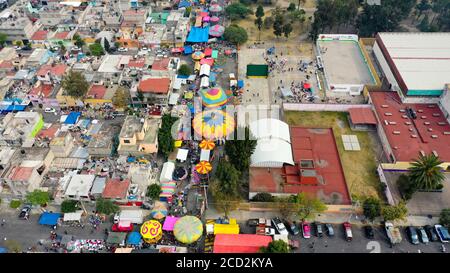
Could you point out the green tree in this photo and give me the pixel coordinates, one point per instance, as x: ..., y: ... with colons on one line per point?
x: 165, y: 139
x: 240, y: 149
x: 106, y: 206
x: 424, y: 25
x: 75, y: 84
x: 38, y: 197
x: 291, y: 7
x: 277, y: 246
x: 185, y: 70
x: 372, y: 208
x: 79, y: 42
x: 278, y: 25
x: 225, y: 203
x: 3, y: 39
x: 287, y: 29
x: 398, y: 212
x: 259, y: 11
x: 121, y: 98
x: 69, y: 206
x: 187, y: 11
x: 140, y: 95
x: 426, y: 173
x: 263, y: 197
x: 268, y: 22
x: 237, y: 11
x: 19, y: 43
x: 406, y: 187
x: 15, y: 204
x: 153, y: 191
x: 96, y: 49
x: 444, y: 218
x: 285, y: 207
x: 300, y: 2
x: 227, y: 178
x: 259, y: 21
x: 235, y: 34
x: 422, y: 6
x: 307, y: 206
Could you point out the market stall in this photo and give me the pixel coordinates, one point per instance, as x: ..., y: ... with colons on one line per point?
x: 188, y: 229
x: 167, y: 189
x: 49, y: 218
x: 203, y: 167
x: 159, y: 210
x: 134, y: 238
x: 169, y: 223
x: 116, y: 238
x: 151, y: 231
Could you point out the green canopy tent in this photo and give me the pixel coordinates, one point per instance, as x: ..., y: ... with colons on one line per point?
x: 257, y: 70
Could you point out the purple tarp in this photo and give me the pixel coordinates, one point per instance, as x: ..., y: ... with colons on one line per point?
x: 170, y: 222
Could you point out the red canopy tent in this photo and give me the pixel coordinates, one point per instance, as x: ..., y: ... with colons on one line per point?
x: 209, y: 61
x: 177, y: 50
x: 203, y: 14
x: 208, y: 51
x: 240, y: 243
x: 306, y: 85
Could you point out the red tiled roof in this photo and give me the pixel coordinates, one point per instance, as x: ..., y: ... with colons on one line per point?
x: 362, y: 116
x: 155, y: 85
x: 139, y: 63
x: 114, y: 188
x: 97, y: 91
x: 21, y: 173
x: 61, y: 35
x: 240, y: 243
x: 49, y: 132
x: 57, y: 70
x: 429, y: 132
x: 40, y: 35
x: 324, y: 180
x: 6, y: 65
x: 43, y: 89
x: 162, y: 64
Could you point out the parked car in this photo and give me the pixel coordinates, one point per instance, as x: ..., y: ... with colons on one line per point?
x: 49, y: 110
x: 330, y: 229
x: 75, y: 48
x: 269, y: 231
x: 292, y: 227
x: 319, y: 229
x: 252, y: 222
x: 423, y: 235
x: 348, y: 231
x: 412, y: 234
x: 431, y: 233
x: 306, y: 230
x: 279, y: 226
x: 368, y: 230
x: 442, y: 233
x: 25, y: 212
x: 122, y: 49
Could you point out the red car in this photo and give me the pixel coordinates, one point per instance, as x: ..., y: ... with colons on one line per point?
x: 123, y: 226
x: 306, y: 229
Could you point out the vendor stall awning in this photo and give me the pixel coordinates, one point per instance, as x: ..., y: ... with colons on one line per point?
x: 204, y: 155
x: 169, y: 223
x: 188, y: 50
x: 208, y: 51
x: 240, y: 243
x: 73, y: 216
x: 72, y: 118
x: 198, y: 35
x: 49, y: 219
x: 215, y: 54
x: 173, y: 99
x: 134, y: 238
x: 182, y: 154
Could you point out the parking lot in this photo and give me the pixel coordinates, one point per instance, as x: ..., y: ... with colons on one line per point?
x: 359, y: 243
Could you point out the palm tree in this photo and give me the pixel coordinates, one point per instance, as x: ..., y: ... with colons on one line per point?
x: 425, y: 172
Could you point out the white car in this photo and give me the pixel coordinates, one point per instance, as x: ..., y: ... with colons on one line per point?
x: 49, y: 110
x: 270, y: 231
x: 144, y: 49
x: 122, y: 49
x: 75, y: 48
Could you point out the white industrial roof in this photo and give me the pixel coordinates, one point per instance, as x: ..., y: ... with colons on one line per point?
x: 423, y: 59
x: 272, y: 153
x: 80, y: 185
x: 270, y: 128
x: 273, y: 148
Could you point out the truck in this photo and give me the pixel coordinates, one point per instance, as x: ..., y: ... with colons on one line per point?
x: 135, y: 216
x: 393, y: 233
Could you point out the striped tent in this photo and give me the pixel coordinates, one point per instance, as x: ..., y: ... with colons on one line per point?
x: 168, y: 189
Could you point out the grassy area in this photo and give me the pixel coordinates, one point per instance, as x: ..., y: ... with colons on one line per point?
x: 359, y: 166
x: 15, y: 204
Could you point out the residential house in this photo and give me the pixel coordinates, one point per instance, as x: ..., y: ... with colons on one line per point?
x: 79, y: 186
x: 155, y: 90
x: 39, y: 57
x: 40, y: 39
x: 139, y: 136
x: 51, y: 73
x: 116, y: 189
x: 62, y: 145
x: 101, y: 143
x: 18, y: 27
x: 20, y: 129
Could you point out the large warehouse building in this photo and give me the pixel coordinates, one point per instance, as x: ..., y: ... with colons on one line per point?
x: 416, y: 65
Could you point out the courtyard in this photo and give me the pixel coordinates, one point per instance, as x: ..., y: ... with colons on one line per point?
x: 359, y: 166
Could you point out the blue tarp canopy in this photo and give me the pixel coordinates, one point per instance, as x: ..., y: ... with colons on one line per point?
x: 49, y: 219
x: 184, y: 4
x: 72, y: 118
x: 198, y: 35
x: 182, y: 76
x: 240, y: 83
x: 134, y: 238
x: 187, y: 50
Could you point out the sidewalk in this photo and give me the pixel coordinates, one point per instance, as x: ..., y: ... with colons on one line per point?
x: 333, y: 218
